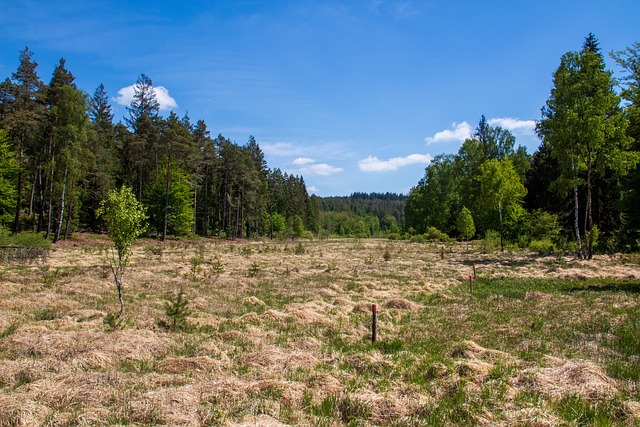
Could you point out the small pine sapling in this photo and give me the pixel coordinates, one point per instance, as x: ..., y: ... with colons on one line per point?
x: 177, y: 310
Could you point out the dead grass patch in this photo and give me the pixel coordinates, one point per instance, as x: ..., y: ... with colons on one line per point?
x: 569, y: 378
x: 291, y: 346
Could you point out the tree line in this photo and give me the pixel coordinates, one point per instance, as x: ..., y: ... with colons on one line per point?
x: 61, y: 153
x: 362, y: 214
x: 580, y: 189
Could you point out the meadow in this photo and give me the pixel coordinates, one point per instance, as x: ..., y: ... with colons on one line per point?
x: 277, y: 333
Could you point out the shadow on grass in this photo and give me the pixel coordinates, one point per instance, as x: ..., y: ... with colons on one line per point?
x: 632, y: 287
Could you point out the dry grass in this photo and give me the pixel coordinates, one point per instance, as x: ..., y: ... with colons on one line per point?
x: 282, y: 338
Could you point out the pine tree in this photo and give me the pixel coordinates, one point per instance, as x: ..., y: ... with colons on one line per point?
x: 141, y: 152
x: 23, y: 117
x: 101, y: 160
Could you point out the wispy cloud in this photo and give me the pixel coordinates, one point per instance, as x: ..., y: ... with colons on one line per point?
x: 523, y: 127
x: 374, y: 164
x: 302, y: 161
x: 459, y: 133
x: 320, y: 169
x: 125, y: 96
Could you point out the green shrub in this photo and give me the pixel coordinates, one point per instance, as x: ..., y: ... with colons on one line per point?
x: 434, y: 234
x: 544, y: 226
x: 418, y: 238
x: 542, y: 246
x: 491, y: 241
x: 299, y: 249
x: 27, y: 239
x: 175, y: 307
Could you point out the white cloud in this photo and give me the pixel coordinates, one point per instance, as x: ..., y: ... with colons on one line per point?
x: 303, y: 161
x: 125, y: 96
x: 164, y: 99
x: 374, y: 164
x: 320, y: 169
x: 313, y: 189
x: 460, y: 132
x: 285, y: 149
x: 523, y: 127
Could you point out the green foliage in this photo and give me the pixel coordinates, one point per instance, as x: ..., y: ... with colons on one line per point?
x: 180, y: 213
x: 435, y: 235
x: 585, y: 130
x: 216, y: 267
x: 491, y: 241
x: 196, y: 262
x: 544, y: 226
x: 124, y: 217
x: 279, y: 222
x: 542, y: 246
x: 464, y: 224
x: 299, y: 249
x: 418, y: 238
x: 176, y: 309
x: 254, y: 270
x: 8, y: 174
x: 295, y: 227
x: 27, y: 239
x: 516, y: 224
x: 500, y: 187
x: 432, y: 202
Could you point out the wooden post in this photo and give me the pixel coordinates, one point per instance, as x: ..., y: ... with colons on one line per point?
x: 474, y: 271
x: 471, y: 285
x: 374, y: 322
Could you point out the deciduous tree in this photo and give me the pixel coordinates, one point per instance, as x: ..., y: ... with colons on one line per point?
x: 585, y: 129
x: 124, y: 217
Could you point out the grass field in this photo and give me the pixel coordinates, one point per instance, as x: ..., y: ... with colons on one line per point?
x: 279, y: 334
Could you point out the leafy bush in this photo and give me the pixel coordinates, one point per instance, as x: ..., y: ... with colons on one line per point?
x: 434, y: 234
x: 516, y: 224
x: 544, y: 226
x: 542, y: 246
x: 27, y: 239
x: 491, y: 241
x: 418, y: 238
x: 299, y: 249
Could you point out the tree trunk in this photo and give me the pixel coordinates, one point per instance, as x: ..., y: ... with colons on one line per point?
x: 166, y: 200
x: 118, y: 275
x: 69, y: 211
x: 205, y: 212
x: 589, y: 219
x: 576, y: 212
x: 32, y: 196
x: 16, y: 221
x: 41, y: 187
x: 62, y: 201
x: 501, y: 226
x: 195, y: 208
x: 50, y: 207
x: 576, y: 222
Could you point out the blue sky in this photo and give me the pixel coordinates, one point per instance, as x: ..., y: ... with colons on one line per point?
x: 354, y: 96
